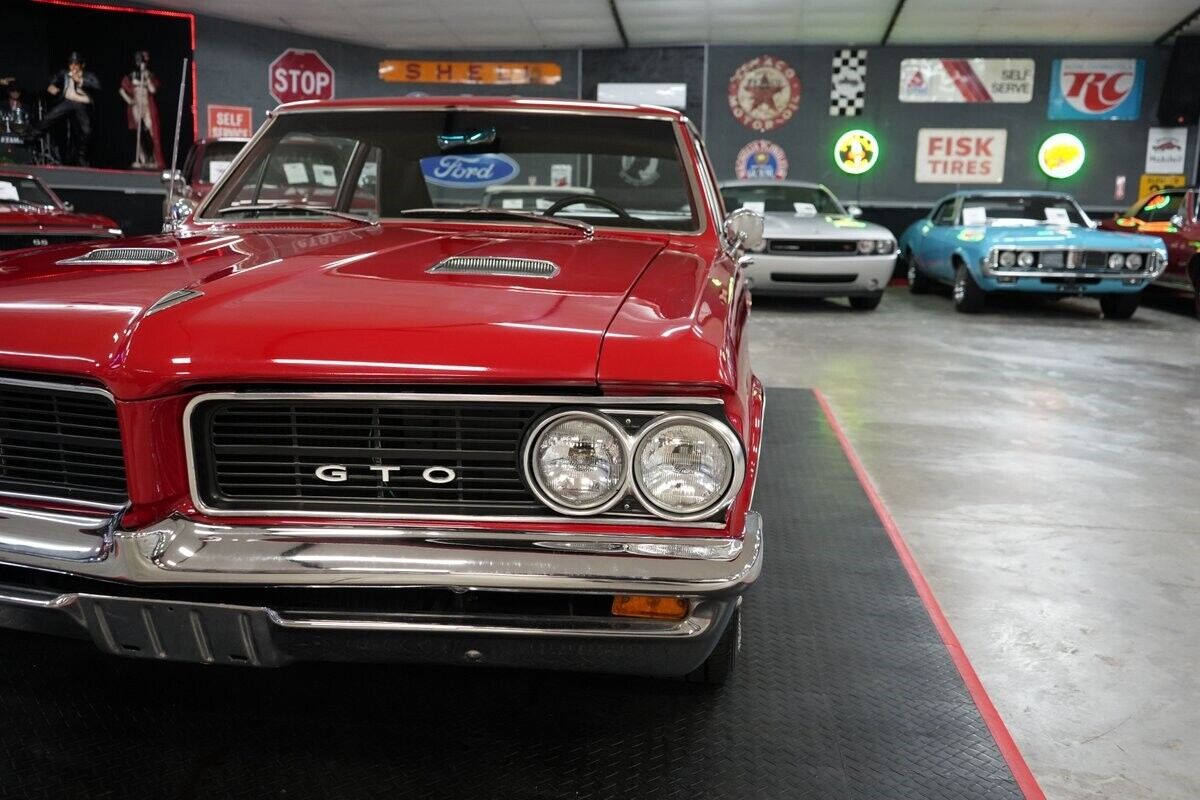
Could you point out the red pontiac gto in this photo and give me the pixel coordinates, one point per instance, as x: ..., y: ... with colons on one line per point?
x: 31, y: 215
x: 346, y: 411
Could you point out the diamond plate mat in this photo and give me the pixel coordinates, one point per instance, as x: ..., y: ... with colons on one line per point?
x: 844, y: 690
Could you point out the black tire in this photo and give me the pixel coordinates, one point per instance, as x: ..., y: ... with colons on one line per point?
x: 1119, y: 306
x: 918, y: 282
x: 717, y: 668
x: 868, y: 302
x: 968, y: 297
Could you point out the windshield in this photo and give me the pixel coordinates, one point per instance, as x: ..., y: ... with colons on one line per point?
x: 1021, y: 211
x: 781, y: 197
x: 24, y: 191
x: 216, y: 159
x: 625, y: 172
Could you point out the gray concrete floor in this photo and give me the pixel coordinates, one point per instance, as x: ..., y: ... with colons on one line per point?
x: 1044, y: 466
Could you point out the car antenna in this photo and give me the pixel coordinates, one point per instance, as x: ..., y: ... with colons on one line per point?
x: 171, y: 225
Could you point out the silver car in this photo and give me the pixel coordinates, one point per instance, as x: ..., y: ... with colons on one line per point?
x: 813, y: 246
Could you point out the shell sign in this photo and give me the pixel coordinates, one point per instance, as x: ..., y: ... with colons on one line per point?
x: 1061, y: 155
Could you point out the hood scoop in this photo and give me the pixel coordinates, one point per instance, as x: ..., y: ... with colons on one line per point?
x: 124, y: 257
x: 496, y: 265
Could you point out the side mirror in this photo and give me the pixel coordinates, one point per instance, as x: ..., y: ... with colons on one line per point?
x: 68, y: 205
x: 1177, y: 220
x: 854, y: 211
x: 744, y: 230
x: 172, y: 177
x: 177, y: 214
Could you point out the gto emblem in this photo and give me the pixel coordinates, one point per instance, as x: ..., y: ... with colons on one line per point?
x: 338, y: 473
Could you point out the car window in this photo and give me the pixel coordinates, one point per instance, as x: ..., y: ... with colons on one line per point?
x: 216, y: 159
x: 432, y: 161
x: 944, y: 215
x: 1025, y: 210
x: 781, y: 198
x: 24, y: 190
x: 1160, y: 207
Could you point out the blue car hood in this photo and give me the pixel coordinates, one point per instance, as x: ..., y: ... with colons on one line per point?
x: 1034, y: 237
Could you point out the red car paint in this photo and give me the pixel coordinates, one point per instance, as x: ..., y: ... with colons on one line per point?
x: 1174, y: 216
x: 48, y: 224
x: 325, y: 301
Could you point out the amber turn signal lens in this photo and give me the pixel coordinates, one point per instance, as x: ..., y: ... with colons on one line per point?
x: 651, y: 607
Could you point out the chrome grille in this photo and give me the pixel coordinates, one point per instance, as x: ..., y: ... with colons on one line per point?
x: 258, y: 454
x: 814, y: 247
x: 60, y: 443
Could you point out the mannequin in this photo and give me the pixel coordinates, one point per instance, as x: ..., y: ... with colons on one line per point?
x: 139, y: 89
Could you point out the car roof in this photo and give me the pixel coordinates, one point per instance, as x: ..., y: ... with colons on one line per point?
x: 478, y: 102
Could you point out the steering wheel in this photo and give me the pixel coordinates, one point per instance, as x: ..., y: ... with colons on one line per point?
x: 595, y: 199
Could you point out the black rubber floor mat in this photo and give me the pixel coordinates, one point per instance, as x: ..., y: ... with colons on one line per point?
x: 844, y: 691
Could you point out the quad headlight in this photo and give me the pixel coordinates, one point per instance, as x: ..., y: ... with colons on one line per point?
x: 578, y: 463
x: 1116, y: 260
x: 1133, y: 261
x: 1026, y: 259
x: 1007, y: 258
x: 866, y: 246
x: 885, y: 246
x: 681, y: 466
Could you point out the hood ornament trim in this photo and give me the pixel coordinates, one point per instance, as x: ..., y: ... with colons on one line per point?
x: 173, y: 298
x: 496, y: 265
x: 124, y: 256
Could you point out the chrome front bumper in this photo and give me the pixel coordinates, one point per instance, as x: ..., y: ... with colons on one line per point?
x: 122, y: 576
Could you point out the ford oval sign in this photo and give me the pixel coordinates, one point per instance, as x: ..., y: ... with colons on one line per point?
x: 459, y: 172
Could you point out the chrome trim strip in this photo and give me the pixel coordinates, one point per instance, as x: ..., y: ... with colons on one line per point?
x: 172, y: 299
x: 585, y: 400
x: 696, y: 623
x: 181, y: 551
x: 66, y: 387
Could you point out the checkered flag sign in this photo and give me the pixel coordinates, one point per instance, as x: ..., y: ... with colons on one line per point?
x: 848, y: 93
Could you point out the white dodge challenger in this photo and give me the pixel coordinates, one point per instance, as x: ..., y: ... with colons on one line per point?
x: 813, y: 246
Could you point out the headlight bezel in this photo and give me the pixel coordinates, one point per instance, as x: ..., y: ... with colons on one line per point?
x: 533, y: 476
x: 721, y: 432
x: 1130, y: 261
x: 631, y: 443
x: 1115, y: 261
x: 1009, y: 256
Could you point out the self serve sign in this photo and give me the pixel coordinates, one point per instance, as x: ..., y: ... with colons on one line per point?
x: 961, y: 155
x: 300, y: 75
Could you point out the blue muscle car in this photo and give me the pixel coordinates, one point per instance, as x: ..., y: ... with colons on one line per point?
x: 1001, y: 241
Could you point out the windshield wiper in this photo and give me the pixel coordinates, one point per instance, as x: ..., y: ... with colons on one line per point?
x: 329, y: 212
x: 528, y: 216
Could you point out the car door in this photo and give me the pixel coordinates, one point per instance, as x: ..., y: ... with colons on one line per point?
x: 941, y: 240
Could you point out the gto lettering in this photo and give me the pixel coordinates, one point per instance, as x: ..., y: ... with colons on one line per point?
x: 385, y: 473
x: 339, y: 473
x: 331, y: 473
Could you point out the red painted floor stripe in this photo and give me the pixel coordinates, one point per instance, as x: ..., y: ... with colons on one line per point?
x: 1008, y: 748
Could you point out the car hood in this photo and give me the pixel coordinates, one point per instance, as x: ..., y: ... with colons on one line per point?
x: 343, y: 304
x: 1033, y: 237
x: 50, y: 219
x: 787, y: 225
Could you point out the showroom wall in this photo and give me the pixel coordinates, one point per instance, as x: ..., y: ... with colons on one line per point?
x: 1114, y: 148
x: 234, y: 57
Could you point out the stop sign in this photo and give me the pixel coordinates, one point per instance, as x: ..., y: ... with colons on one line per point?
x: 300, y: 75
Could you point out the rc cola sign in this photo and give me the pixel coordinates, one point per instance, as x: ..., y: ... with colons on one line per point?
x: 465, y: 171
